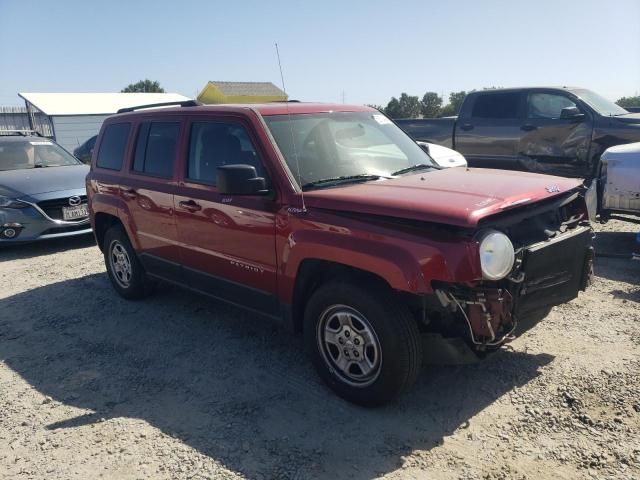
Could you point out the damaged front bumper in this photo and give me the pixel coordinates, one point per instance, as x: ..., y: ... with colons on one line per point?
x: 548, y: 273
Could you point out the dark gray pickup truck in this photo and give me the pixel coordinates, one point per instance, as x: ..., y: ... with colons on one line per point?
x: 559, y: 131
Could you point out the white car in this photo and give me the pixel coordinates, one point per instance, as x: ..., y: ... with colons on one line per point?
x: 445, y: 157
x: 621, y: 180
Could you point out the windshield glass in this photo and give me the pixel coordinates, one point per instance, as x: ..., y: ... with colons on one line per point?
x: 33, y: 153
x: 343, y: 144
x: 600, y: 104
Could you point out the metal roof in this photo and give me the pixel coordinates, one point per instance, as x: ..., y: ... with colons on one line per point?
x: 94, y: 103
x: 258, y: 89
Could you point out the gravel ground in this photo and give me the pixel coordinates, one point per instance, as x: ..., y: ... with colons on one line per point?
x: 180, y: 386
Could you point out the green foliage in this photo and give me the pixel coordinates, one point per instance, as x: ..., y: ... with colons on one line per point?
x: 625, y: 102
x: 406, y: 107
x: 455, y: 102
x: 143, y: 86
x: 430, y: 105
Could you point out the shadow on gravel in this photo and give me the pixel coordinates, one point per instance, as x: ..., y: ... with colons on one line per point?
x: 613, y: 257
x: 37, y: 249
x: 229, y: 384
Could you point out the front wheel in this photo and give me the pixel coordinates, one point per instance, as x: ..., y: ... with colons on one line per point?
x: 365, y: 345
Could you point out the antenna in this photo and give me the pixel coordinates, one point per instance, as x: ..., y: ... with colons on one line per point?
x: 293, y: 138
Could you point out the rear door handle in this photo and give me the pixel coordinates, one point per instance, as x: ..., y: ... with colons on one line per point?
x: 129, y: 193
x: 466, y: 126
x: 189, y: 205
x: 528, y: 127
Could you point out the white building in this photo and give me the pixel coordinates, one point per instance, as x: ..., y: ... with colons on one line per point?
x: 76, y: 117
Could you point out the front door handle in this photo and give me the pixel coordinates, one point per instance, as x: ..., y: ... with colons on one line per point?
x: 466, y: 126
x: 528, y: 127
x: 129, y: 193
x: 189, y: 205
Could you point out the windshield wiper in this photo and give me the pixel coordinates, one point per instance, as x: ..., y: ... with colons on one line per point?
x: 363, y: 177
x: 413, y: 168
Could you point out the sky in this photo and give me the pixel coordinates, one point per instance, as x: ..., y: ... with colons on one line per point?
x: 356, y: 51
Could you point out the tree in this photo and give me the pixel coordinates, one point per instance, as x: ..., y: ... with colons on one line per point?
x: 625, y: 102
x: 407, y: 107
x: 455, y: 102
x: 430, y: 105
x: 143, y: 86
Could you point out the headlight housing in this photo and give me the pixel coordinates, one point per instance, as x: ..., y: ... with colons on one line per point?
x: 496, y: 254
x: 7, y: 202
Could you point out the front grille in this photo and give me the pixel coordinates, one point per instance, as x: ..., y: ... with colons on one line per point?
x: 554, y: 270
x: 53, y: 208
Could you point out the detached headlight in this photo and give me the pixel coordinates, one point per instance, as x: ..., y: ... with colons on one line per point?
x: 6, y: 202
x: 496, y: 254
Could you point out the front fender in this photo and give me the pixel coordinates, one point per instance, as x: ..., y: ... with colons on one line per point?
x: 405, y: 266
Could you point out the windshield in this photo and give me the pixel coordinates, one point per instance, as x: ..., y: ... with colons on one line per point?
x: 600, y: 104
x: 33, y: 153
x: 344, y: 145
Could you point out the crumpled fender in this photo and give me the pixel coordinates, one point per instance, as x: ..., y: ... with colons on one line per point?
x: 408, y: 268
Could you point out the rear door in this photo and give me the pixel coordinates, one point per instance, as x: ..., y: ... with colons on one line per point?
x: 228, y: 242
x: 148, y: 190
x: 551, y: 144
x: 487, y: 133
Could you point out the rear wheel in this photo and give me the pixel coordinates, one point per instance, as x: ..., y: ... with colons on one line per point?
x: 123, y: 267
x: 364, y: 344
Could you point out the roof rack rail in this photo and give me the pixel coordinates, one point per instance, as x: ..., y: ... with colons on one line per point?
x: 185, y: 103
x: 24, y: 133
x: 284, y: 101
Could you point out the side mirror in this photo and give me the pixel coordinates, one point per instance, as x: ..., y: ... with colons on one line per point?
x: 571, y: 113
x: 424, y: 146
x: 240, y: 180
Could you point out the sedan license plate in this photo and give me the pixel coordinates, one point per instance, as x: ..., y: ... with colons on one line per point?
x: 75, y: 213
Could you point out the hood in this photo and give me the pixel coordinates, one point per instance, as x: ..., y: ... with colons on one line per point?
x: 629, y: 118
x: 34, y: 181
x: 456, y: 196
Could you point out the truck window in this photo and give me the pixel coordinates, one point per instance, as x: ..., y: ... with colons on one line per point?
x: 213, y: 144
x: 112, y: 146
x: 156, y: 148
x: 496, y: 105
x: 547, y: 105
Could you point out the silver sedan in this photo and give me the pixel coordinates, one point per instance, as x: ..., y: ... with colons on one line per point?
x: 42, y: 190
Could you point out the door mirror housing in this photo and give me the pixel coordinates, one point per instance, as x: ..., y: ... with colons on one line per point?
x: 424, y: 146
x: 240, y: 180
x: 571, y: 113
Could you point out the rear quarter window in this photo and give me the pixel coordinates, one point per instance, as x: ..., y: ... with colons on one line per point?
x: 113, y: 146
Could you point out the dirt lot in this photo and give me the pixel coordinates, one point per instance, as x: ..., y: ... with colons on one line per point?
x: 180, y: 386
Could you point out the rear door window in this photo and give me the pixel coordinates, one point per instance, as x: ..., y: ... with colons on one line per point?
x: 113, y: 146
x: 496, y: 106
x: 156, y: 148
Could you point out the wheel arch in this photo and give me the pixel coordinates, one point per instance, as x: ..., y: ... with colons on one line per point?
x: 314, y: 272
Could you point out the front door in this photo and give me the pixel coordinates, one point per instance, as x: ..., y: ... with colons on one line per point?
x: 551, y: 144
x: 228, y: 242
x: 487, y: 134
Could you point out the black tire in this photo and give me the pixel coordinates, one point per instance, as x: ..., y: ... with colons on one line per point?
x: 393, y: 327
x: 116, y: 243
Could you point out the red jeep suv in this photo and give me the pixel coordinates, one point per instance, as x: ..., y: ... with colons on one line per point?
x: 331, y: 220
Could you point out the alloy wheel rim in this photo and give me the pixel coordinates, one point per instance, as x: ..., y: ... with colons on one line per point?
x: 349, y: 345
x: 120, y: 264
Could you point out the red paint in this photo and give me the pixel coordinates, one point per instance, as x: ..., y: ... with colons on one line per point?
x: 259, y: 242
